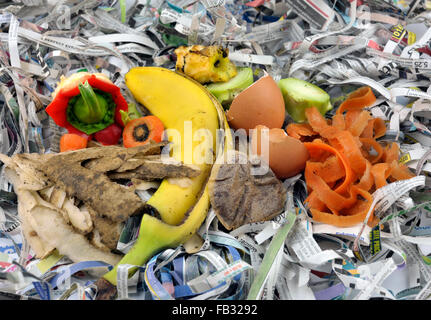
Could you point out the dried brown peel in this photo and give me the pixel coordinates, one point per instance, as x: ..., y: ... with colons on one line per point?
x: 26, y: 202
x: 238, y: 197
x: 79, y: 218
x: 52, y: 228
x: 45, y: 228
x: 134, y: 163
x: 29, y: 177
x: 138, y: 184
x: 108, y: 230
x: 105, y: 164
x: 28, y: 169
x: 46, y: 193
x: 96, y: 241
x: 94, y: 188
x: 88, y: 154
x: 57, y: 197
x: 130, y: 164
x: 119, y: 156
x: 54, y: 218
x: 68, y: 202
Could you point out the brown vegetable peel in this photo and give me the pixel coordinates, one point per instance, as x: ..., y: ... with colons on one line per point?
x: 239, y: 198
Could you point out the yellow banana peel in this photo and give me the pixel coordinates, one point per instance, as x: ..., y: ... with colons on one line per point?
x: 184, y: 108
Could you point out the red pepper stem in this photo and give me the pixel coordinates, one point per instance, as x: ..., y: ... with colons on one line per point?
x: 89, y: 97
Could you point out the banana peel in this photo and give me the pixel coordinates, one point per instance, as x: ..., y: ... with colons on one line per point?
x: 184, y: 107
x: 174, y: 98
x: 205, y: 64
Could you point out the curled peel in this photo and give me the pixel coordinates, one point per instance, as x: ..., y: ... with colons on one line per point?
x: 347, y: 164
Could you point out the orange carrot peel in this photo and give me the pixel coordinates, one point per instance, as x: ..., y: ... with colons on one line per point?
x: 347, y: 164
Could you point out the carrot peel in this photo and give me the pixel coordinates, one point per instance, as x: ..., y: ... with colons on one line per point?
x: 347, y: 164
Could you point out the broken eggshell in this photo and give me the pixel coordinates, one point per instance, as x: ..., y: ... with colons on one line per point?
x: 286, y: 156
x: 260, y: 104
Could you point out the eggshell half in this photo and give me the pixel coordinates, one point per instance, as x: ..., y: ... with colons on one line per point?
x: 286, y: 155
x: 260, y: 104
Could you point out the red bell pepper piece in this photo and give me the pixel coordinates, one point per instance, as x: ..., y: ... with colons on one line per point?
x: 68, y: 88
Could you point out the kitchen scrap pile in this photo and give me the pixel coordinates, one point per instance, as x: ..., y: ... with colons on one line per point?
x: 215, y: 149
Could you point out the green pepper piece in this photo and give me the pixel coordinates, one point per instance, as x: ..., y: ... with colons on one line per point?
x: 131, y: 113
x: 90, y: 128
x: 90, y: 107
x: 225, y: 92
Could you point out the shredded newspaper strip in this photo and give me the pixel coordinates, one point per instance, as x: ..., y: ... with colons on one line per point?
x: 339, y: 45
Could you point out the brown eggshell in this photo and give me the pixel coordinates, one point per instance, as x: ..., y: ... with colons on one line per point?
x: 287, y: 155
x: 260, y: 104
